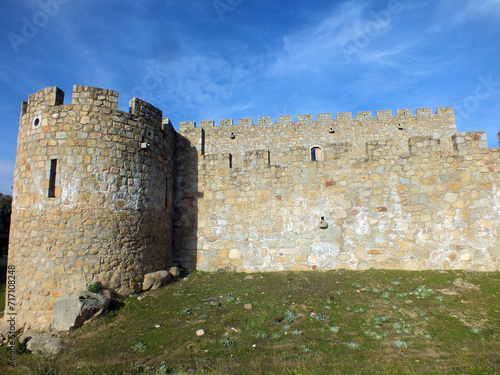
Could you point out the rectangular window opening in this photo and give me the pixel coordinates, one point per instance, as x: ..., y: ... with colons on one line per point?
x: 166, y: 193
x: 52, y: 178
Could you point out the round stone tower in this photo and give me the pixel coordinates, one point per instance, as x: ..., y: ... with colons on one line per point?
x: 91, y: 200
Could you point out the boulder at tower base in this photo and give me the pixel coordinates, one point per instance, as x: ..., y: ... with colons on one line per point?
x: 155, y: 280
x: 73, y: 309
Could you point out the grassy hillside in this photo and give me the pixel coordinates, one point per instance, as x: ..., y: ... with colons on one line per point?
x: 338, y: 322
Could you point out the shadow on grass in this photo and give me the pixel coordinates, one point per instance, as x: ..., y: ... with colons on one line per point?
x: 115, y: 305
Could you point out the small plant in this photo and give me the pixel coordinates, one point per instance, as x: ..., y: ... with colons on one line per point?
x: 140, y: 347
x: 221, y: 271
x: 369, y: 333
x: 423, y: 315
x: 357, y: 285
x: 385, y: 295
x: 400, y: 344
x: 330, y: 300
x: 296, y: 332
x: 422, y: 291
x: 95, y: 287
x: 141, y: 367
x: 339, y: 292
x: 318, y: 317
x: 334, y: 329
x: 186, y: 311
x: 475, y: 330
x: 395, y: 283
x: 305, y: 349
x: 204, y: 316
x: 20, y: 346
x: 226, y: 342
x: 378, y: 320
x: 397, y: 326
x: 353, y: 345
x: 163, y: 369
x: 215, y: 305
x: 262, y: 335
x: 291, y: 316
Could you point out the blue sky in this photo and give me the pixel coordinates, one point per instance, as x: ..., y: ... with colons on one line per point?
x: 210, y: 60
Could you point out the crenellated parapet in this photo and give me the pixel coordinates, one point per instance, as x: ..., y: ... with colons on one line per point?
x: 88, y: 106
x: 446, y: 113
x: 244, y: 134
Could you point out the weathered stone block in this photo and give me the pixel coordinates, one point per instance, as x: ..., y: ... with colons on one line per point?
x: 155, y: 280
x: 74, y: 309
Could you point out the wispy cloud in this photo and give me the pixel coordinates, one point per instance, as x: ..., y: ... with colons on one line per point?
x: 352, y: 32
x: 195, y: 84
x: 451, y: 13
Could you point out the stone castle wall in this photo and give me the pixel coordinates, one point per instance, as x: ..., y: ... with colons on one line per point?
x: 419, y: 202
x: 89, y: 204
x: 108, y: 196
x: 278, y: 137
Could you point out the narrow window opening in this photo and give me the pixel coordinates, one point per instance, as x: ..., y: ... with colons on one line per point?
x: 52, y: 178
x: 230, y: 161
x: 166, y: 193
x: 316, y: 154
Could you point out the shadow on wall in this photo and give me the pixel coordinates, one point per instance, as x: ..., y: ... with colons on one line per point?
x: 185, y: 232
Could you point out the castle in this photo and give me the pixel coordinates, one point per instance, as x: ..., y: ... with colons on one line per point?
x: 104, y: 195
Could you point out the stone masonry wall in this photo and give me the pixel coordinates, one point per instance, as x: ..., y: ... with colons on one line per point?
x: 106, y: 216
x: 423, y: 202
x: 104, y: 195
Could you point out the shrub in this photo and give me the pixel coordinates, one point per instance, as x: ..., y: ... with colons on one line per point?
x: 95, y: 287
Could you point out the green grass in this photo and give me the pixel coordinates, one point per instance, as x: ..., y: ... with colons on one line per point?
x: 3, y: 277
x: 338, y: 322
